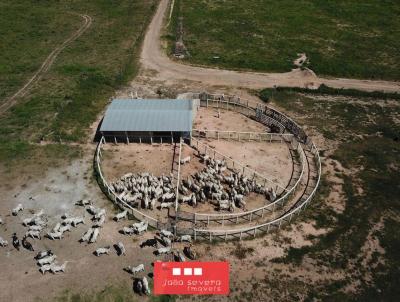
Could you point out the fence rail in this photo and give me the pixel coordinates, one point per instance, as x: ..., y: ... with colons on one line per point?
x: 269, y: 117
x: 242, y: 136
x: 109, y: 191
x: 265, y: 227
x: 259, y: 212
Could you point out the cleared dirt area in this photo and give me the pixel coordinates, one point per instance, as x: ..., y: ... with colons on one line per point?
x: 137, y: 158
x: 269, y: 159
x: 272, y: 160
x: 55, y: 190
x: 207, y: 119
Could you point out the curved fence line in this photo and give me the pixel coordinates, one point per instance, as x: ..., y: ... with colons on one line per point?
x: 195, y: 143
x: 272, y: 115
x: 198, y: 217
x: 242, y: 136
x: 110, y: 193
x: 252, y: 231
x: 269, y: 117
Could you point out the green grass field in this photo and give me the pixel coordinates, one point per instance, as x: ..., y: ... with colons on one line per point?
x: 67, y: 100
x: 368, y: 134
x: 345, y: 38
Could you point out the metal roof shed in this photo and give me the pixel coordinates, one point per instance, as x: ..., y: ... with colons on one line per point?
x: 148, y: 115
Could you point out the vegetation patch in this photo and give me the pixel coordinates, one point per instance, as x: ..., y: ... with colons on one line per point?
x: 63, y: 105
x: 355, y: 39
x: 368, y: 134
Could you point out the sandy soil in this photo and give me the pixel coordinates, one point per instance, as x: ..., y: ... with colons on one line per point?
x: 269, y: 159
x: 137, y: 158
x: 56, y: 190
x: 207, y: 119
x: 154, y: 58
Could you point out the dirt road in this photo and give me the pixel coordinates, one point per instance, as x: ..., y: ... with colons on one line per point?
x: 154, y: 58
x: 46, y: 64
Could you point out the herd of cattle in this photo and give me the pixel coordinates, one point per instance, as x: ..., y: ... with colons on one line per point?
x: 224, y: 188
x: 37, y: 227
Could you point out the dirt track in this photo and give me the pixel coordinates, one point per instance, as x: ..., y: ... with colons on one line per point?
x: 153, y: 58
x: 46, y: 64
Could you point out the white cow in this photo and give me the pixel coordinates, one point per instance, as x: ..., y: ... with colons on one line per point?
x: 92, y: 210
x: 3, y: 243
x: 185, y: 238
x: 153, y: 203
x: 142, y: 227
x: 87, y: 235
x: 36, y: 228
x: 54, y: 268
x: 17, y: 209
x: 65, y: 228
x: 43, y: 254
x: 101, y: 212
x: 45, y: 268
x: 54, y: 235
x: 146, y: 288
x: 166, y: 205
x: 33, y: 234
x: 56, y: 227
x: 47, y: 260
x: 33, y: 221
x: 167, y: 196
x: 77, y: 220
x: 166, y: 233
x: 135, y: 269
x: 102, y: 251
x: 128, y: 230
x: 94, y: 236
x: 166, y: 241
x: 185, y: 160
x: 100, y: 222
x: 121, y: 215
x: 163, y: 250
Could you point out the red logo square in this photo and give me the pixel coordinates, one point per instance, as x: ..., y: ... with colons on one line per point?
x: 191, y: 278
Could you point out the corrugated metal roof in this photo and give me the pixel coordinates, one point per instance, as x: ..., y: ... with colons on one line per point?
x: 148, y: 115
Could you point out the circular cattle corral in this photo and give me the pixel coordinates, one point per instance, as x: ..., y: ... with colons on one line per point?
x: 261, y: 178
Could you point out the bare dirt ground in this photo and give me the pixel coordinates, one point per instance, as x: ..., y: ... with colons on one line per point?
x: 137, y: 158
x: 207, y: 119
x: 154, y: 58
x: 269, y: 159
x: 55, y: 190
